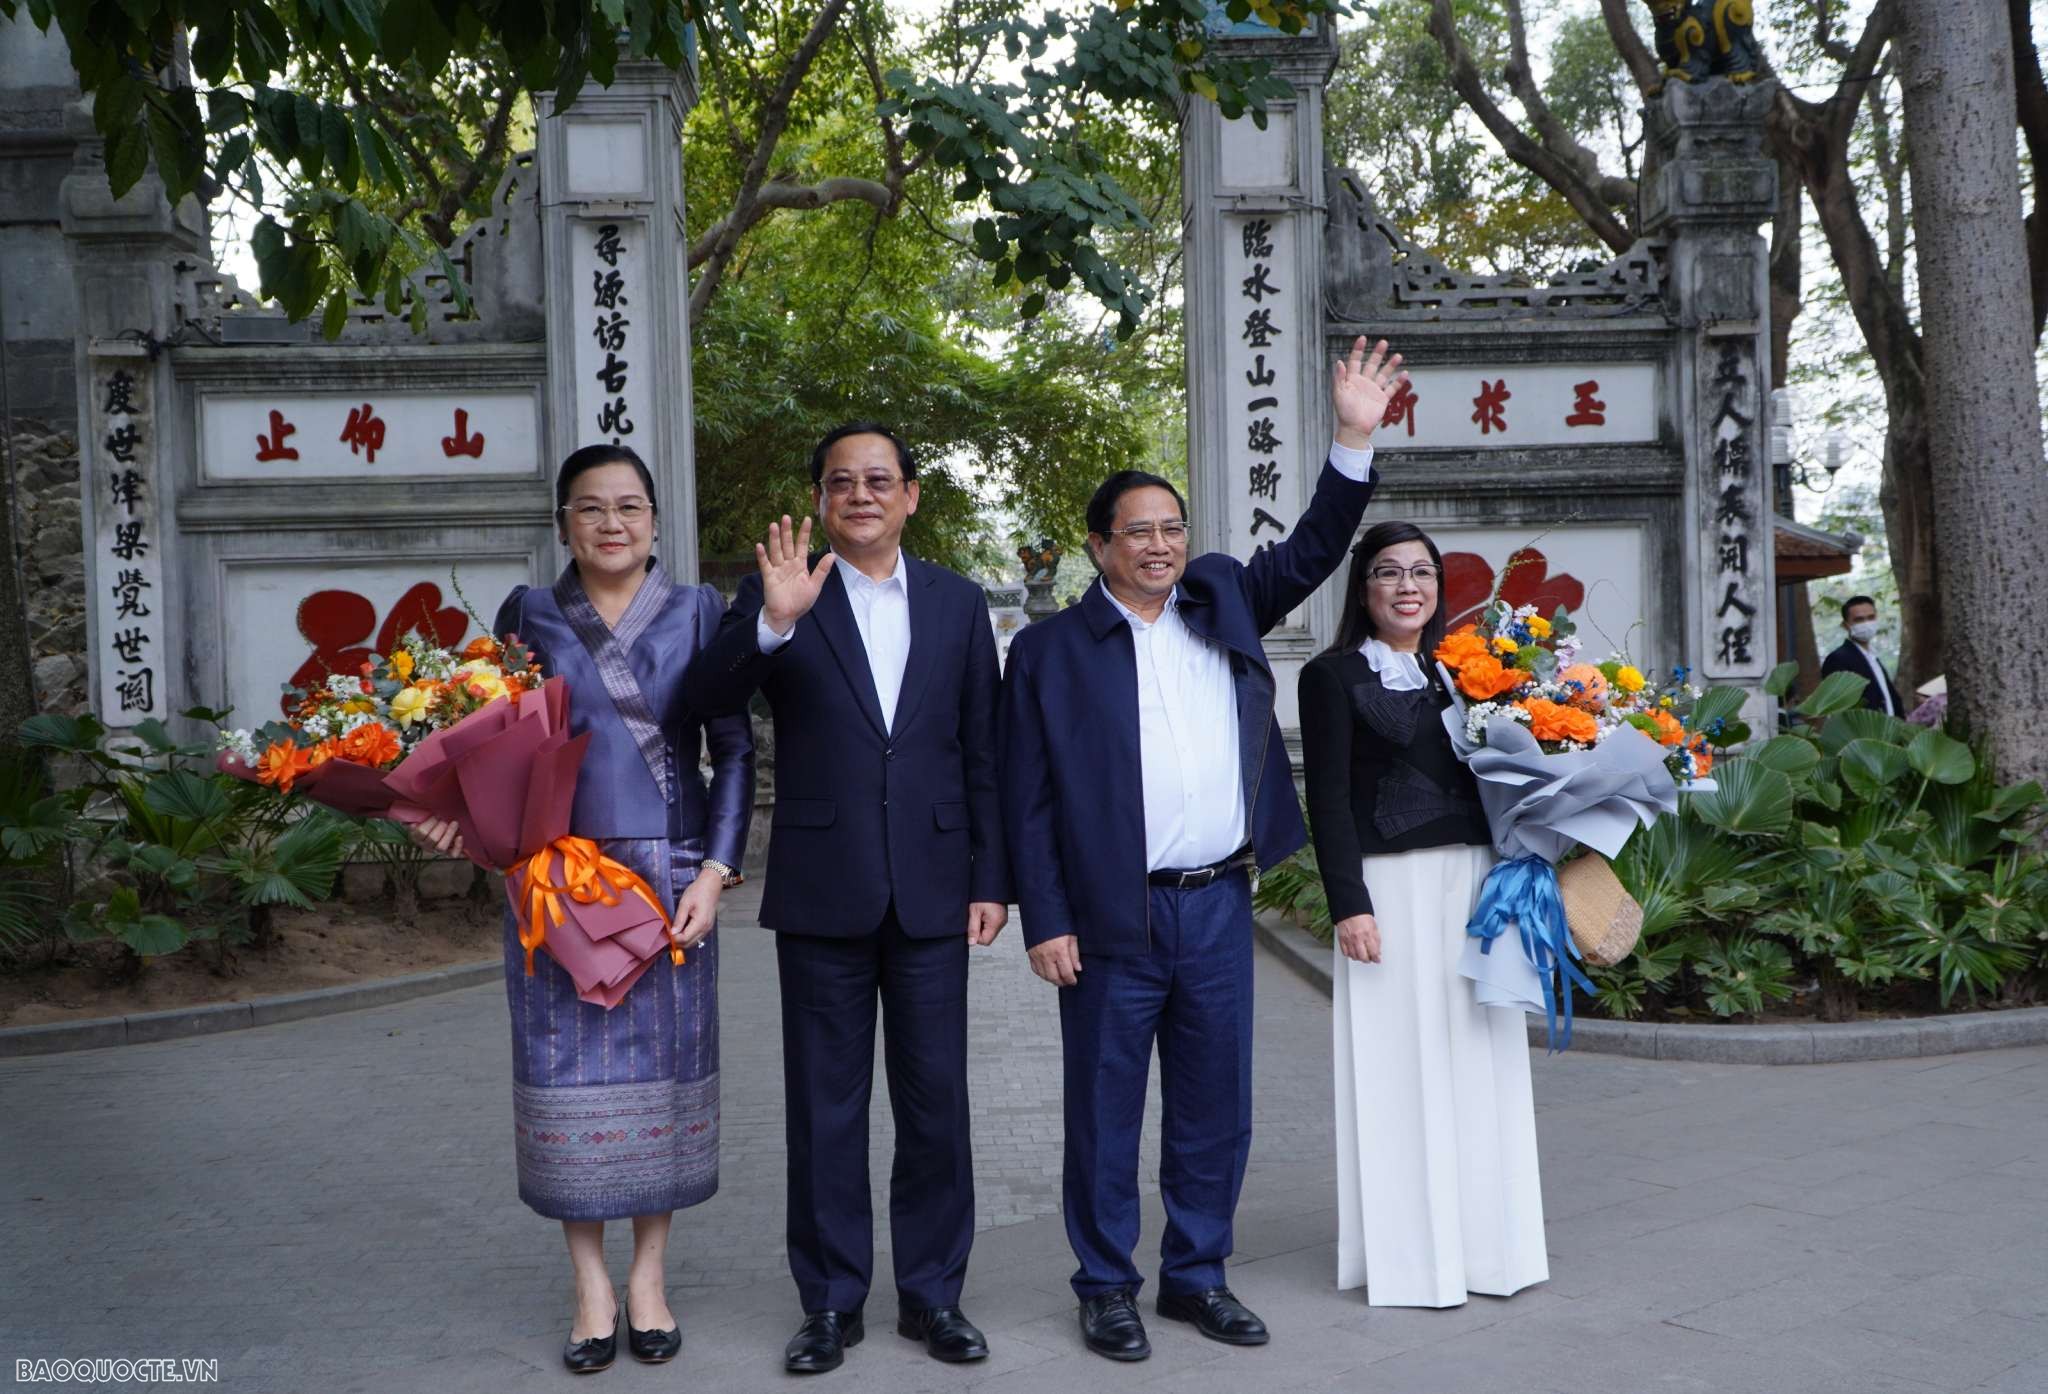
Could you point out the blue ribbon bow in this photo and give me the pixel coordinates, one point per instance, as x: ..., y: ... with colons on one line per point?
x: 1524, y: 893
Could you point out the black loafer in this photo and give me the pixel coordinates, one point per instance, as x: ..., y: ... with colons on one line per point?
x: 1217, y: 1314
x: 1111, y: 1326
x: 820, y: 1343
x: 946, y: 1332
x: 597, y: 1353
x: 653, y: 1347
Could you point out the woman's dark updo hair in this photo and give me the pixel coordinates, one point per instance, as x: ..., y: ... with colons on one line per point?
x: 592, y: 457
x: 1354, y: 624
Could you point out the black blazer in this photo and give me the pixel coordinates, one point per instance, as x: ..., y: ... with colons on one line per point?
x: 1846, y: 659
x: 1382, y: 775
x: 863, y: 815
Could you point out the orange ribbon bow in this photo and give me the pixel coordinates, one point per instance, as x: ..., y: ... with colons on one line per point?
x: 589, y: 878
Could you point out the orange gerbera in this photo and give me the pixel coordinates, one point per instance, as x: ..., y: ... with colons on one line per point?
x: 373, y: 744
x: 1461, y: 648
x: 484, y: 647
x: 1553, y: 721
x: 1592, y: 693
x: 1483, y: 678
x: 280, y: 763
x: 1669, y: 731
x: 1702, y: 758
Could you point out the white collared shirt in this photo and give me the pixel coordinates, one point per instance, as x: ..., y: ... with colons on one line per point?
x: 881, y: 611
x: 1187, y: 741
x: 1876, y: 667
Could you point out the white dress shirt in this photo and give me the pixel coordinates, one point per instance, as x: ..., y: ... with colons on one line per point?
x: 881, y: 611
x: 1188, y: 730
x: 1876, y: 667
x: 1187, y: 742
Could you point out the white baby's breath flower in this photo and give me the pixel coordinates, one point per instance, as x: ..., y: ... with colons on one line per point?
x: 355, y: 719
x: 240, y: 743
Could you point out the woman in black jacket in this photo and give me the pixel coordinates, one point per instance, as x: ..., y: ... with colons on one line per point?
x: 1438, y: 1191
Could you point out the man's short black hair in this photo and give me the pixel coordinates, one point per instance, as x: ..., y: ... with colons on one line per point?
x: 904, y: 459
x: 1852, y: 602
x: 1102, y: 507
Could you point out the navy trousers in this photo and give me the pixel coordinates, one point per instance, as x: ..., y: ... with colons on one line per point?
x: 830, y: 987
x: 1192, y: 993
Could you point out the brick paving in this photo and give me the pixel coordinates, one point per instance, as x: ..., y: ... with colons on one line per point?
x: 328, y: 1205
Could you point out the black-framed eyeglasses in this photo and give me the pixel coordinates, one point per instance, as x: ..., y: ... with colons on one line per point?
x: 1422, y: 574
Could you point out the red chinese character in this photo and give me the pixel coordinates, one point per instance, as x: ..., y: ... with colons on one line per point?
x: 1489, y: 408
x: 1587, y: 410
x: 462, y: 442
x: 337, y: 624
x: 364, y: 432
x: 272, y: 446
x: 1401, y: 407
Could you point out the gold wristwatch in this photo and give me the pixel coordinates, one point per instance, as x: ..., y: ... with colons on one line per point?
x: 726, y: 875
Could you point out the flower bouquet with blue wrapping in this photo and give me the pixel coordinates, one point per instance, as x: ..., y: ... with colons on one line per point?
x: 1566, y: 755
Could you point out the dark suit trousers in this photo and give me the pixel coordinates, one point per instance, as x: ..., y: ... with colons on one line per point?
x: 830, y: 987
x: 1192, y: 992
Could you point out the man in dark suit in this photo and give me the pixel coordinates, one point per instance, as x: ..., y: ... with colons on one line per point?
x: 885, y: 862
x: 1143, y: 777
x: 1859, y: 621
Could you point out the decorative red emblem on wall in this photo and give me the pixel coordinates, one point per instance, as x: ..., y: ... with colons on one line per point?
x: 338, y: 625
x: 1469, y: 580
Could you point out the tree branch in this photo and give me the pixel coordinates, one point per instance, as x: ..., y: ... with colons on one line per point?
x: 883, y: 197
x: 441, y: 222
x: 1642, y: 64
x: 1546, y: 164
x: 774, y: 120
x: 1556, y: 136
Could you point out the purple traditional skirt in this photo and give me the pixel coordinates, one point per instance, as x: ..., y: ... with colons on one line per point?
x: 615, y: 1113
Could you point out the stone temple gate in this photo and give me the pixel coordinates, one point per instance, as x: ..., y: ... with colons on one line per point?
x: 1607, y: 431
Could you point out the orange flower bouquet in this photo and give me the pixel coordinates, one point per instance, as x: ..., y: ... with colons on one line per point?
x: 475, y: 737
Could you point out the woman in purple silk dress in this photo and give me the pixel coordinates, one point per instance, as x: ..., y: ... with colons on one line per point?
x: 615, y: 1113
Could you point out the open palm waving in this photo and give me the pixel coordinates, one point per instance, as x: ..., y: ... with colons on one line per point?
x: 789, y: 583
x: 1360, y: 388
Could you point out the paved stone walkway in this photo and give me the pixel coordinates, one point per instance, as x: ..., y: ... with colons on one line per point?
x: 328, y: 1206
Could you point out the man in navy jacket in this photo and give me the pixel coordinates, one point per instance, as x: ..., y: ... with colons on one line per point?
x: 1143, y: 776
x: 885, y: 862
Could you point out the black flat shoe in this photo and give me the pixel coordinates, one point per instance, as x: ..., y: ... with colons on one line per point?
x: 653, y: 1347
x: 1217, y: 1314
x: 820, y: 1343
x: 946, y: 1332
x: 597, y: 1353
x: 1111, y: 1326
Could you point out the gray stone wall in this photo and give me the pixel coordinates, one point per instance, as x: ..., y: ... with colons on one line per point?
x: 52, y: 559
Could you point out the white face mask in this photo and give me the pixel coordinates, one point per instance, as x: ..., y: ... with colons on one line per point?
x: 1864, y: 631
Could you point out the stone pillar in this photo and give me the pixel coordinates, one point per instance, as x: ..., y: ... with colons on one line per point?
x: 124, y: 256
x: 617, y: 283
x: 1258, y: 385
x: 1710, y: 189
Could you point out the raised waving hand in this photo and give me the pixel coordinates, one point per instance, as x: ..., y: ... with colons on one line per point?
x: 789, y: 583
x: 1360, y: 388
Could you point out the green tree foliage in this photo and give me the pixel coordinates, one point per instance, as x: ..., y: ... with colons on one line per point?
x: 229, y: 92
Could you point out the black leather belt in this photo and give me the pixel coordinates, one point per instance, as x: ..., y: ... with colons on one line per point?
x: 1240, y: 860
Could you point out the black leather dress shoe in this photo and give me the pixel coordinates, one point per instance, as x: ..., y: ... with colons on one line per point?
x: 1217, y: 1314
x: 946, y: 1332
x: 597, y: 1353
x: 1111, y: 1326
x: 653, y: 1347
x: 820, y: 1343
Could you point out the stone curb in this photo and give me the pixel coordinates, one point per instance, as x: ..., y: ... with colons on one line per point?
x: 142, y: 1027
x: 1819, y: 1044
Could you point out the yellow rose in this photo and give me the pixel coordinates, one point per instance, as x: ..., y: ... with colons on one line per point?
x: 401, y: 664
x: 1629, y: 679
x: 410, y: 705
x: 481, y: 677
x: 1503, y: 644
x: 1538, y: 626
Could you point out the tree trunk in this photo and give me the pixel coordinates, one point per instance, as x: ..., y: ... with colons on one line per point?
x: 1982, y: 402
x: 1907, y: 497
x: 17, y: 658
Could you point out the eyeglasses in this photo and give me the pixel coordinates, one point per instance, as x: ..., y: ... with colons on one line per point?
x: 1422, y: 574
x: 879, y: 485
x: 627, y: 511
x: 1141, y: 534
